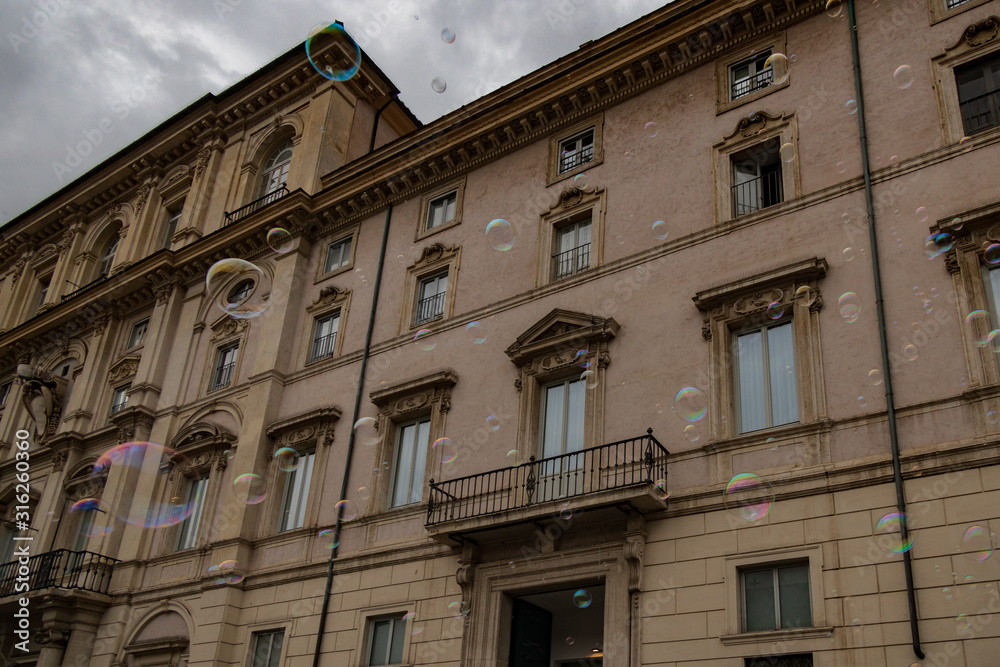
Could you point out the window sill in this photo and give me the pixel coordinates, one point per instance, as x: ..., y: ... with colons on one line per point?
x: 586, y: 166
x: 776, y: 635
x: 334, y: 272
x: 317, y: 360
x: 424, y: 233
x: 723, y: 106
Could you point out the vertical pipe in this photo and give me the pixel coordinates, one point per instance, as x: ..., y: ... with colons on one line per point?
x: 897, y: 473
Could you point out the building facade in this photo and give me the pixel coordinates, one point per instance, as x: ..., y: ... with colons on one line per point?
x: 601, y: 368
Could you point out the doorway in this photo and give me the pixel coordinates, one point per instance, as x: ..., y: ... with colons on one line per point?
x: 563, y: 628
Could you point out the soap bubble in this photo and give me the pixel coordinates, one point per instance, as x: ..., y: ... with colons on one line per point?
x: 94, y: 508
x: 438, y: 84
x: 903, y: 77
x: 778, y: 63
x: 329, y: 539
x: 280, y: 240
x: 891, y: 526
x: 660, y: 489
x: 787, y: 152
x: 650, y: 129
x: 366, y: 431
x: 570, y: 641
x: 493, y: 423
x: 660, y: 230
x: 850, y: 306
x: 690, y: 404
x: 979, y: 543
x: 445, y: 449
x: 582, y: 358
x: 582, y: 598
x: 514, y: 458
x: 580, y: 181
x: 238, y: 286
x: 364, y: 492
x: 848, y: 254
x: 963, y: 622
x: 748, y: 497
x: 834, y: 8
x: 425, y: 340
x: 500, y: 234
x: 287, y: 459
x: 775, y: 310
x: 590, y: 379
x: 875, y: 376
x: 566, y: 513
x: 691, y: 433
x: 921, y: 214
x: 992, y: 254
x: 851, y: 105
x: 320, y: 40
x: 910, y: 352
x: 127, y: 459
x: 250, y: 488
x: 448, y: 36
x: 862, y: 401
x: 841, y: 167
x: 346, y: 509
x: 474, y: 330
x: 978, y: 322
x: 894, y: 160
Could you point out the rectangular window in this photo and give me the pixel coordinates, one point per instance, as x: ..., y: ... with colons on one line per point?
x: 800, y: 660
x: 225, y: 366
x: 562, y: 417
x: 441, y: 210
x: 119, y: 400
x: 951, y: 4
x: 338, y: 254
x: 572, y: 249
x: 776, y: 598
x: 267, y: 648
x: 138, y: 335
x: 409, y: 463
x: 187, y: 533
x: 765, y: 371
x: 757, y: 178
x: 576, y: 151
x: 43, y: 291
x: 430, y: 302
x: 173, y: 217
x: 324, y: 336
x: 750, y: 75
x: 293, y: 508
x: 979, y: 94
x: 5, y: 392
x: 7, y: 535
x: 993, y: 278
x: 385, y: 641
x: 83, y: 530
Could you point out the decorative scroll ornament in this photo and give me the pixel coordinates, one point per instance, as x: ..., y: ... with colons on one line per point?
x: 758, y: 301
x: 141, y: 201
x: 433, y: 253
x: 980, y: 33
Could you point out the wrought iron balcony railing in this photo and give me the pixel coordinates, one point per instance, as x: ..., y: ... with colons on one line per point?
x: 758, y: 193
x: 757, y: 81
x: 635, y: 462
x: 323, y: 347
x: 255, y: 205
x: 430, y: 308
x: 951, y: 4
x: 571, y: 262
x: 223, y: 376
x: 86, y: 288
x: 981, y: 113
x: 573, y: 159
x: 83, y: 570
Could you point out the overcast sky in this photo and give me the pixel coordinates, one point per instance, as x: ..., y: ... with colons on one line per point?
x: 103, y: 72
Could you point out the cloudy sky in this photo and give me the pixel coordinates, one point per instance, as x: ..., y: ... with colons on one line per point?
x: 103, y: 72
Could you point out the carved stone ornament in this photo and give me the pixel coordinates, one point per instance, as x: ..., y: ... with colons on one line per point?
x: 554, y: 341
x: 52, y: 635
x: 758, y: 301
x: 632, y: 550
x: 202, y: 161
x: 58, y: 460
x: 571, y: 196
x: 979, y: 33
x: 227, y: 327
x: 314, y: 426
x: 140, y: 202
x: 993, y: 233
x: 123, y: 369
x: 753, y: 124
x: 433, y: 253
x: 951, y: 262
x: 422, y: 394
x: 327, y: 295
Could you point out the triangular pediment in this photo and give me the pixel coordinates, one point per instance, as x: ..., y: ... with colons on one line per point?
x: 561, y: 329
x: 123, y: 369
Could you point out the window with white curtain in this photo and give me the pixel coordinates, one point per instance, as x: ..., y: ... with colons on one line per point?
x: 765, y: 377
x: 194, y: 492
x: 409, y: 462
x: 267, y: 648
x: 993, y: 279
x: 293, y: 507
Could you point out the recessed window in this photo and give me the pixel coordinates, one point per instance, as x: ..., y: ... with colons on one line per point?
x: 385, y: 641
x: 108, y: 257
x: 765, y: 371
x: 430, y: 301
x: 170, y: 228
x: 951, y: 4
x: 43, y: 290
x: 409, y: 463
x: 562, y: 417
x: 5, y: 392
x: 275, y: 172
x: 83, y: 530
x: 138, y: 335
x: 750, y: 75
x: 296, y: 495
x: 338, y: 254
x: 757, y: 180
x: 572, y: 249
x: 267, y: 648
x: 800, y: 660
x: 325, y: 336
x: 979, y: 94
x: 225, y: 366
x: 576, y: 151
x: 441, y: 210
x: 194, y: 493
x: 776, y: 598
x: 119, y: 400
x: 240, y: 292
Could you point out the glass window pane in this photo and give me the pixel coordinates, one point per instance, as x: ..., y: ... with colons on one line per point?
x: 404, y: 465
x: 380, y: 643
x: 396, y: 652
x: 995, y: 293
x: 261, y: 650
x: 793, y: 596
x: 781, y: 359
x: 552, y: 441
x: 758, y: 600
x: 86, y: 521
x: 751, y: 381
x: 278, y: 638
x: 419, y: 462
x: 450, y: 213
x: 574, y: 426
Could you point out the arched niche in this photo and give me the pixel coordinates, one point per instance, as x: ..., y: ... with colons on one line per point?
x: 163, y: 637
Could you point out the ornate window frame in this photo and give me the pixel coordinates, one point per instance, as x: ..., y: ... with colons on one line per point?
x: 321, y: 272
x: 429, y: 395
x: 776, y: 42
x: 306, y: 432
x: 735, y: 305
x: 131, y: 327
x: 434, y: 259
x: 573, y: 203
x: 549, y: 351
x: 331, y: 299
x: 82, y: 481
x: 367, y: 616
x: 120, y: 373
x: 458, y: 187
x: 174, y: 190
x: 596, y: 122
x: 757, y: 128
x: 938, y: 11
x: 979, y: 40
x: 225, y: 331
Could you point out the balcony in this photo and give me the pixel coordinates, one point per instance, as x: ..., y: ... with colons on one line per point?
x: 751, y: 83
x: 571, y: 262
x: 430, y: 308
x: 86, y: 288
x: 632, y: 472
x: 574, y: 158
x: 255, y: 205
x: 74, y: 570
x: 223, y: 376
x: 323, y: 347
x: 757, y: 193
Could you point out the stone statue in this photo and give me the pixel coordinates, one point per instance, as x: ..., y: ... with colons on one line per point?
x: 41, y: 395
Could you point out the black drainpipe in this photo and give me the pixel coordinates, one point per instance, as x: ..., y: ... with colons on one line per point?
x: 897, y: 473
x: 350, y: 441
x: 371, y: 144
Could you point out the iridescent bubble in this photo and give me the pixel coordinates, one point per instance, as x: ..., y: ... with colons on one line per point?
x: 848, y: 254
x: 425, y: 340
x: 956, y: 224
x: 875, y: 377
x: 238, y: 288
x: 650, y: 129
x: 991, y: 417
x: 280, y: 240
x: 328, y: 538
x: 326, y: 58
x: 230, y: 454
x: 475, y: 332
x: 778, y: 63
x: 582, y: 598
x: 582, y: 358
x: 967, y: 142
x: 978, y: 322
x: 979, y: 543
x: 992, y: 254
x: 903, y: 77
x: 226, y: 573
x: 514, y: 458
x: 660, y: 230
x: 590, y: 379
x: 775, y: 310
x: 445, y: 450
x: 691, y: 433
x: 580, y: 181
x: 787, y: 152
x: 690, y: 404
x: 804, y: 293
x: 249, y: 488
x: 928, y: 306
x: 921, y: 214
x: 894, y: 160
x: 346, y: 509
x: 850, y: 306
x: 287, y: 459
x: 891, y: 526
x: 841, y: 167
x: 628, y: 155
x: 364, y: 492
x: 570, y: 641
x: 834, y: 8
x: 366, y: 431
x: 566, y: 513
x: 748, y: 497
x: 948, y: 593
x: 910, y: 352
x: 438, y: 84
x: 851, y: 105
x: 659, y: 408
x: 862, y: 401
x: 500, y: 234
x: 493, y: 423
x: 963, y: 622
x: 448, y: 36
x: 94, y: 509
x: 660, y: 489
x: 411, y: 620
x: 127, y: 459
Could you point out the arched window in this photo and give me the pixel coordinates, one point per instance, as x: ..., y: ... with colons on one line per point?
x: 108, y: 258
x: 275, y: 171
x: 240, y: 292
